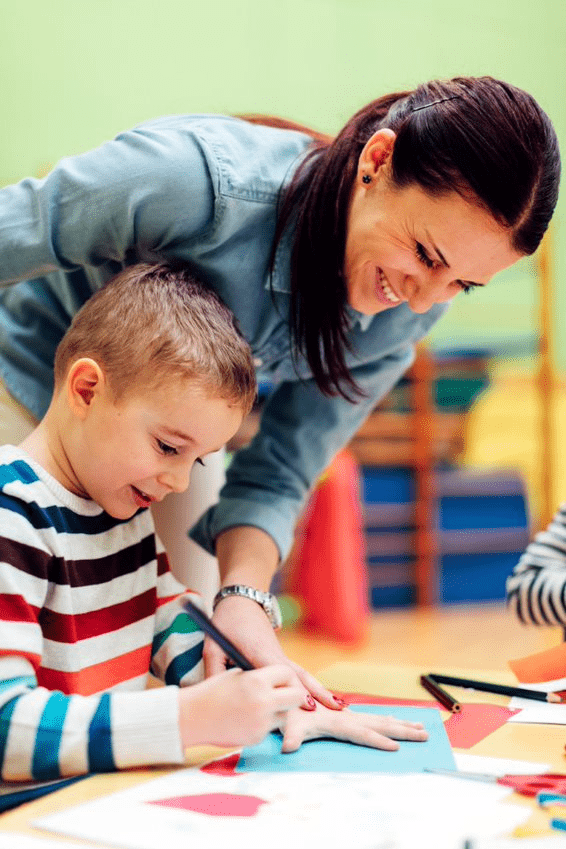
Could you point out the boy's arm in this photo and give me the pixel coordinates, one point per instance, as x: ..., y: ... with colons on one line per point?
x: 176, y: 655
x: 536, y: 591
x: 45, y: 734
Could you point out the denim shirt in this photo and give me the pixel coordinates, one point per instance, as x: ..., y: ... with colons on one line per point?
x: 203, y: 189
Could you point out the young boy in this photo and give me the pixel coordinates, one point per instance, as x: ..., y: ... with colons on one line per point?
x: 151, y: 376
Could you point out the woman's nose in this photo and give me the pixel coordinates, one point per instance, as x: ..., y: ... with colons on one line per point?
x: 434, y: 288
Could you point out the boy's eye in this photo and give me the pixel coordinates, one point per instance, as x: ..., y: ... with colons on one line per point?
x: 166, y: 449
x: 423, y: 256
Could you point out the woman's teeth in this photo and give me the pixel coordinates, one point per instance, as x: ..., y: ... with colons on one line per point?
x: 387, y: 290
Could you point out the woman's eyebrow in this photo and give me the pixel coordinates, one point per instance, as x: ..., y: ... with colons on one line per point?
x: 437, y: 251
x: 442, y: 259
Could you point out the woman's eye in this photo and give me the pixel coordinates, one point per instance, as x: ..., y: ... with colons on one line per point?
x: 166, y: 449
x: 468, y: 287
x: 200, y: 461
x: 423, y: 256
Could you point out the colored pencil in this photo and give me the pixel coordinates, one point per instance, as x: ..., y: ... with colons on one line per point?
x: 440, y: 695
x: 501, y: 689
x: 215, y: 634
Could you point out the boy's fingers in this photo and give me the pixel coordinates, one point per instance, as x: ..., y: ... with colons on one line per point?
x: 214, y: 658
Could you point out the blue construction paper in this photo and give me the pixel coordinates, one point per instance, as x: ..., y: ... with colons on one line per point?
x: 335, y: 756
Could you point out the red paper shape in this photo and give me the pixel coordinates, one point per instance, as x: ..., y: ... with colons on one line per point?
x: 215, y: 804
x: 475, y: 722
x: 226, y: 766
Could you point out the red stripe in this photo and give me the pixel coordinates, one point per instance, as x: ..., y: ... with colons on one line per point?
x: 100, y: 676
x: 15, y: 608
x: 34, y: 659
x: 72, y: 628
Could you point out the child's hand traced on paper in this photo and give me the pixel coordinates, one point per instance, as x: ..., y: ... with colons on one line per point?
x: 237, y: 708
x: 365, y: 729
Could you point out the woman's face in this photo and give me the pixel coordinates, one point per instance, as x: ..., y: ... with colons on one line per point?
x: 404, y: 245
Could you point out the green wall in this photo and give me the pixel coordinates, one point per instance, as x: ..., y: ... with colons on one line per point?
x: 75, y: 72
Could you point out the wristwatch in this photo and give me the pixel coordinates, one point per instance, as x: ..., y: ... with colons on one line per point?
x: 267, y: 600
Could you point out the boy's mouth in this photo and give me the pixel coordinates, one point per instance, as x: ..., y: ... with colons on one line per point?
x: 140, y: 498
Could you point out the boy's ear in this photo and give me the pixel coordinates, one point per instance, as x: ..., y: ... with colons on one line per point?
x: 85, y: 381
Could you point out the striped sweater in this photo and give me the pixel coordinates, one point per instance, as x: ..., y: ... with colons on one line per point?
x: 536, y: 590
x: 87, y: 607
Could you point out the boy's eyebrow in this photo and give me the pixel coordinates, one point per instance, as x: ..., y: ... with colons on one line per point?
x: 178, y: 433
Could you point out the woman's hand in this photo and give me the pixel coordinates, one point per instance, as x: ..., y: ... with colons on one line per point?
x: 238, y: 708
x: 365, y: 729
x: 244, y: 622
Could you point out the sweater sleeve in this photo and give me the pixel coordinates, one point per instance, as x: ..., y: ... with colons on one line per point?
x: 46, y: 734
x: 536, y: 590
x: 176, y: 655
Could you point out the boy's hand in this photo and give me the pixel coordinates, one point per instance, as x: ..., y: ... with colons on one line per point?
x: 365, y: 729
x: 238, y: 708
x: 246, y: 625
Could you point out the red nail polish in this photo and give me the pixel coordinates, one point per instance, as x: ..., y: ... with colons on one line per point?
x: 340, y: 701
x: 311, y: 704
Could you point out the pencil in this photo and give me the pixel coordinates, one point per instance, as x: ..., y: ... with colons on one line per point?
x: 212, y: 631
x: 439, y: 694
x: 501, y: 689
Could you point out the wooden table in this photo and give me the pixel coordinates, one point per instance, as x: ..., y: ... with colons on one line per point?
x: 542, y: 743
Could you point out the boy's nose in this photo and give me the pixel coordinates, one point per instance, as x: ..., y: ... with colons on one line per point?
x: 177, y: 480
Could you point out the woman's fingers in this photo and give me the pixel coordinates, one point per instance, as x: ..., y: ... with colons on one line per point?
x: 317, y: 690
x: 364, y: 729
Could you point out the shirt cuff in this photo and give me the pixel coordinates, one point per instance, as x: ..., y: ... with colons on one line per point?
x: 145, y: 728
x: 277, y: 521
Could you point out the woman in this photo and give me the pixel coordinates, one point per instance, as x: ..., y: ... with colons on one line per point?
x: 335, y: 257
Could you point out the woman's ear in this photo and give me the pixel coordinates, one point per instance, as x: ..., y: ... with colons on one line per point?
x: 85, y: 381
x: 376, y: 153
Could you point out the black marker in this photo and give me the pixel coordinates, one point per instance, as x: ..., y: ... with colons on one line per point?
x: 212, y: 631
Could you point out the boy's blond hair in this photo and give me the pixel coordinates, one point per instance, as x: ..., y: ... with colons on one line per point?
x: 154, y: 323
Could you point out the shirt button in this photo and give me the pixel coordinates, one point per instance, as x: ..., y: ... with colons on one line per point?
x: 258, y: 362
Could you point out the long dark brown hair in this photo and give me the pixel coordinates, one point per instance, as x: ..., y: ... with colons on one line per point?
x: 466, y: 134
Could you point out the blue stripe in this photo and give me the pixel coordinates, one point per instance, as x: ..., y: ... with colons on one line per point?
x: 62, y: 519
x: 182, y: 624
x: 25, y: 680
x: 5, y: 719
x: 182, y: 664
x: 45, y: 763
x: 100, y: 757
x: 18, y: 470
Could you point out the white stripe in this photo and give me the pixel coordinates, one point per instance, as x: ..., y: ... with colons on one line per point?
x: 21, y: 637
x: 72, y: 657
x: 16, y: 582
x: 73, y: 751
x: 20, y: 745
x: 74, y: 600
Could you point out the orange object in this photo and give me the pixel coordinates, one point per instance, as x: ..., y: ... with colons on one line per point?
x: 328, y: 571
x: 548, y: 665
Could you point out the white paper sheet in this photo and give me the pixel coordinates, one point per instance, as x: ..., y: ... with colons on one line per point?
x: 497, y: 766
x: 326, y: 809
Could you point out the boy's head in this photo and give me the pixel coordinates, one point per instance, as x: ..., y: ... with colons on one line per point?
x: 152, y: 375
x: 152, y: 323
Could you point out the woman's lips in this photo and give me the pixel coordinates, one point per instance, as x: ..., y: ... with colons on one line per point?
x: 384, y: 292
